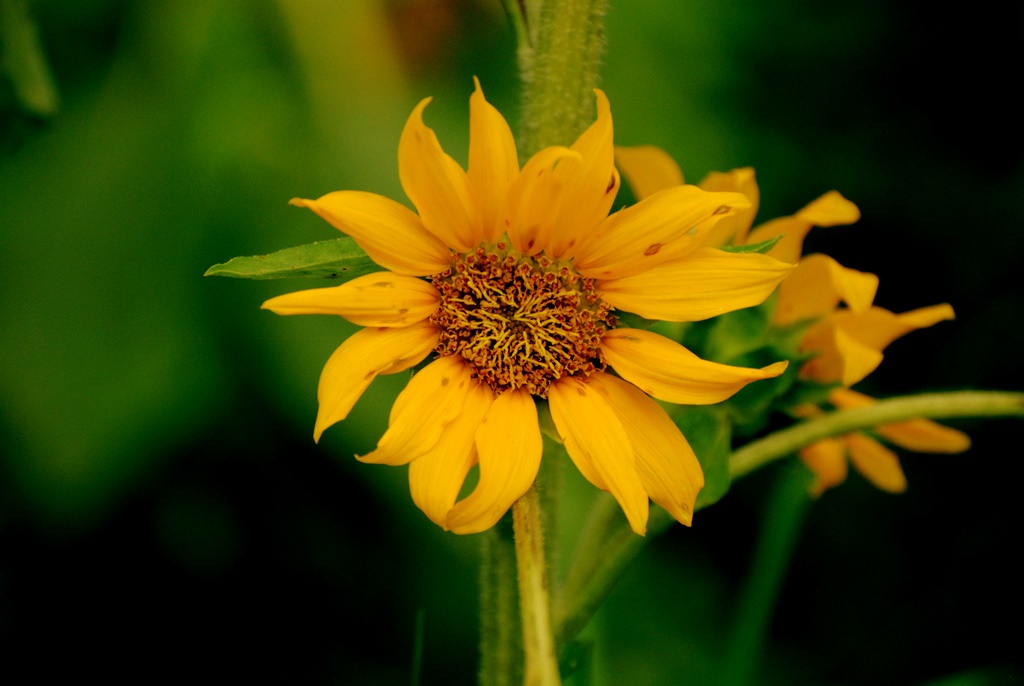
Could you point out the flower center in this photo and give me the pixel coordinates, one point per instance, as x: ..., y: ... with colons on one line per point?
x: 520, y: 321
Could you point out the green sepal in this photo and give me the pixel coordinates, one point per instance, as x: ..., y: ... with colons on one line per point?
x: 750, y: 409
x: 709, y: 433
x: 730, y: 336
x: 807, y: 393
x: 340, y: 259
x: 762, y: 247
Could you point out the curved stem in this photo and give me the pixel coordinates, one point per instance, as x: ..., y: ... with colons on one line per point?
x: 538, y: 640
x: 591, y: 577
x: 930, y: 406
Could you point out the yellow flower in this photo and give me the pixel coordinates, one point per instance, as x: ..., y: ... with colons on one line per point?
x: 846, y: 344
x: 848, y: 333
x: 509, y: 279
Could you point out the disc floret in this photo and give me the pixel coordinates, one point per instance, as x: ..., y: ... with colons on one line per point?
x: 520, y: 321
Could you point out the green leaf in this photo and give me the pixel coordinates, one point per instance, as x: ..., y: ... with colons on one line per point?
x: 709, y: 433
x: 762, y: 247
x: 339, y: 259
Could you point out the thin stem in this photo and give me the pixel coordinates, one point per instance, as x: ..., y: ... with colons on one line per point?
x: 591, y: 577
x: 538, y: 640
x: 930, y: 405
x: 784, y: 515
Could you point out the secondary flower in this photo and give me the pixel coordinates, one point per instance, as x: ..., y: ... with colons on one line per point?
x: 509, y: 280
x: 847, y: 333
x: 845, y: 344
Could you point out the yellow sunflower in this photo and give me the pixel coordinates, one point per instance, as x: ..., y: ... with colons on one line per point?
x: 509, y: 280
x: 848, y: 334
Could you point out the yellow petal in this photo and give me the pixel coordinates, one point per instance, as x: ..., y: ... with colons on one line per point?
x: 358, y: 361
x: 391, y: 234
x: 437, y: 476
x: 493, y: 161
x: 648, y: 169
x: 666, y: 370
x: 379, y: 299
x: 919, y: 435
x: 663, y: 227
x: 818, y: 285
x: 528, y: 214
x: 509, y: 444
x: 831, y: 209
x: 665, y: 462
x: 425, y: 407
x: 876, y: 463
x: 437, y: 185
x: 838, y: 357
x: 827, y: 460
x: 703, y: 284
x: 878, y: 327
x: 593, y: 435
x: 733, y: 229
x: 590, y: 183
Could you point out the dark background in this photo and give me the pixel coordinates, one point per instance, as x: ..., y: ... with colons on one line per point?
x: 164, y: 512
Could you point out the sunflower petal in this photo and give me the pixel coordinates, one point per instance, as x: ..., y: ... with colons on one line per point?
x: 831, y: 209
x: 666, y: 370
x: 425, y: 407
x: 590, y: 183
x: 437, y: 185
x: 838, y: 357
x: 527, y: 213
x: 379, y: 299
x: 594, y: 435
x: 391, y: 234
x: 437, y: 476
x: 493, y: 161
x: 509, y: 445
x: 733, y: 229
x: 818, y: 285
x: 647, y: 169
x: 357, y: 362
x: 876, y: 463
x: 666, y: 226
x: 827, y: 460
x: 878, y: 327
x: 665, y: 462
x: 706, y: 283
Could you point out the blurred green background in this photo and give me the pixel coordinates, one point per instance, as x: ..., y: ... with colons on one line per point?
x: 164, y: 513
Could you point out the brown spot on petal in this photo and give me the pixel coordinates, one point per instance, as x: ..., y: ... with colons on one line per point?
x: 653, y: 249
x: 445, y: 381
x: 724, y: 209
x: 611, y: 184
x: 383, y: 284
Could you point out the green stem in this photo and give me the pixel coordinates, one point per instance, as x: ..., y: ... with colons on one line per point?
x: 609, y: 547
x: 930, y: 405
x: 501, y: 653
x: 558, y: 62
x: 784, y: 514
x: 538, y: 640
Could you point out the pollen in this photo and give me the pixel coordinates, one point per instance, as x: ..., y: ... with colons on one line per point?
x: 520, y: 321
